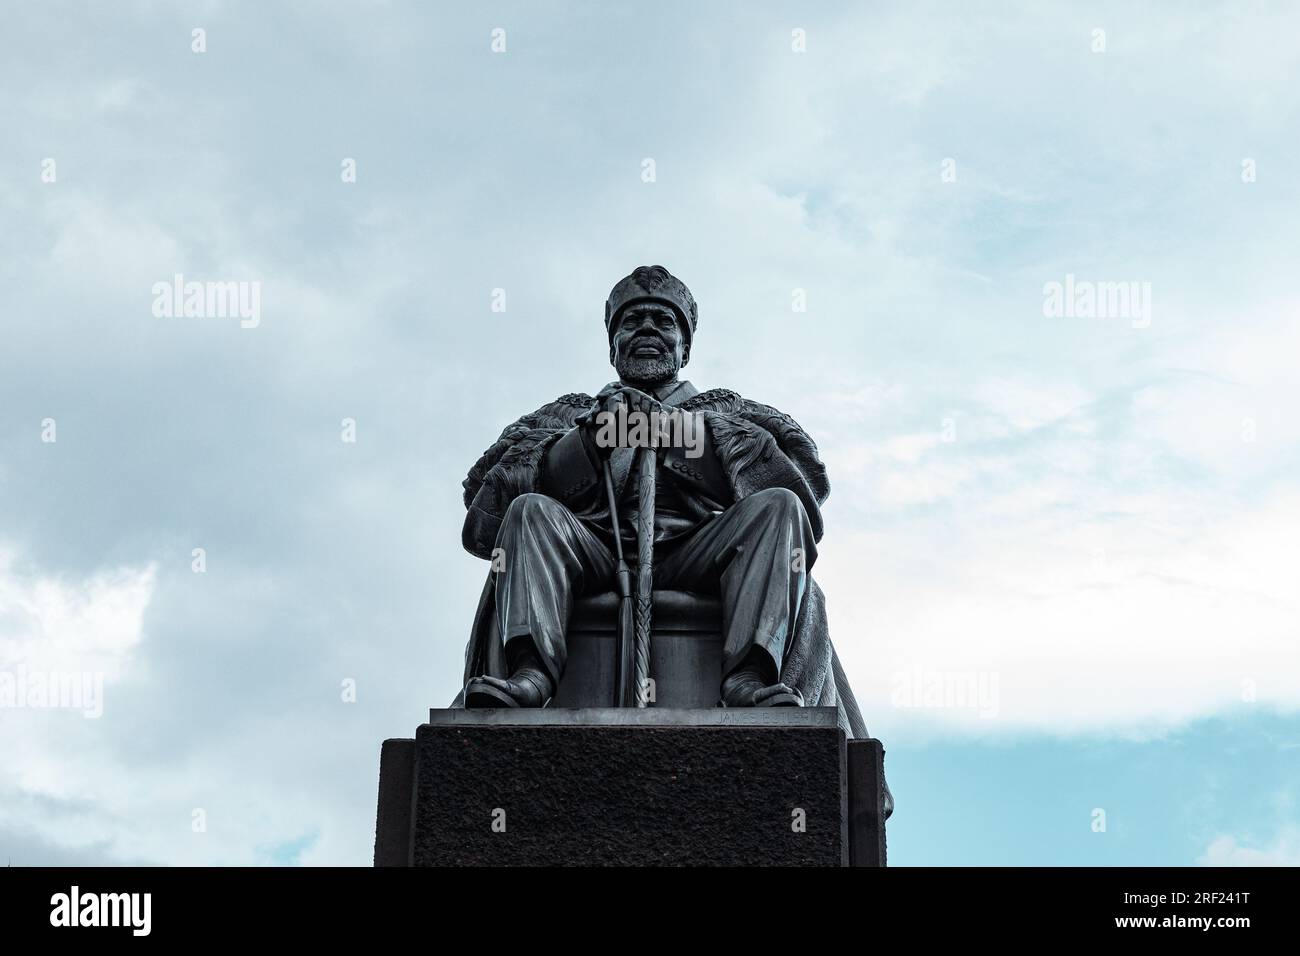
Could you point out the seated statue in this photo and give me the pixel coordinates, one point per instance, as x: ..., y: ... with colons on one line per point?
x: 706, y: 491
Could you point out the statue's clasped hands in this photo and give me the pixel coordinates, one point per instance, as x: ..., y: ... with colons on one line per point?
x: 621, y: 402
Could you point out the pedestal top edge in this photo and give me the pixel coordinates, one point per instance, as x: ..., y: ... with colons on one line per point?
x: 799, y: 717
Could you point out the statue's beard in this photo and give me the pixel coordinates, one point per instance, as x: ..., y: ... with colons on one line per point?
x: 645, y: 369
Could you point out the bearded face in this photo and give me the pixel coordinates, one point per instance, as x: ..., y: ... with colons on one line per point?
x: 647, y: 348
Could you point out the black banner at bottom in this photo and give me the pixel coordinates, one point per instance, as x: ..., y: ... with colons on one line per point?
x: 1169, y: 906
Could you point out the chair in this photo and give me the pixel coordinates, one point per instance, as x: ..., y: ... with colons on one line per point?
x: 685, y: 651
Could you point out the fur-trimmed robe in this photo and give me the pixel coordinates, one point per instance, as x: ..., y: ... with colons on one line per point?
x: 758, y: 448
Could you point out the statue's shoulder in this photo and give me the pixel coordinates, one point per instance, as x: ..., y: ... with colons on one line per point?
x: 714, y: 400
x: 727, y: 401
x: 742, y: 424
x: 770, y: 417
x: 557, y: 414
x: 576, y: 399
x: 564, y: 409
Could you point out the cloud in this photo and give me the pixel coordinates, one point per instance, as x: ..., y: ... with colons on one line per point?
x: 69, y: 653
x: 92, y: 624
x: 1227, y: 850
x: 1106, y: 572
x: 175, y: 768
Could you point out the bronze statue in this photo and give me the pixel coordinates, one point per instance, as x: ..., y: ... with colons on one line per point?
x: 717, y: 494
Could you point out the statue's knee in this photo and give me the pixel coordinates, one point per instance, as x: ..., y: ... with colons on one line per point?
x: 778, y: 503
x: 530, y: 510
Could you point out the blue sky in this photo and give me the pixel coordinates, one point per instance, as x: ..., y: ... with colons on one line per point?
x: 1094, y: 517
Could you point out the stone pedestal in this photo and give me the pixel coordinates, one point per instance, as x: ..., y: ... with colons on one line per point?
x: 611, y: 786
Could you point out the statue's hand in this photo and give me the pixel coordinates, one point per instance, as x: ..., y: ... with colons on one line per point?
x: 607, y: 403
x: 638, y: 401
x: 593, y: 420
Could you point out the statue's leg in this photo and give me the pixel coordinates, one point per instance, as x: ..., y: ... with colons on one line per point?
x: 544, y: 555
x: 756, y: 556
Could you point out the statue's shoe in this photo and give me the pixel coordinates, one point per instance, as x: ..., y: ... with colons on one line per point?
x: 782, y: 699
x: 527, y: 687
x: 747, y: 689
x: 479, y: 694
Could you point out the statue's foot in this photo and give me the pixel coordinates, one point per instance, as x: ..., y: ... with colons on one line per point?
x: 746, y: 688
x: 527, y: 687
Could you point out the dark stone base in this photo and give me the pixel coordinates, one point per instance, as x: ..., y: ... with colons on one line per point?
x: 711, y: 787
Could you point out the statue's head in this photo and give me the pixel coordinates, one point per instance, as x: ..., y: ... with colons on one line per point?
x: 650, y: 317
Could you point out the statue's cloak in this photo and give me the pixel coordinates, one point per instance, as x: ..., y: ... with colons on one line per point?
x: 757, y: 446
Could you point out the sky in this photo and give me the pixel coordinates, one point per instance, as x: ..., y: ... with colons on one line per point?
x: 1060, y: 557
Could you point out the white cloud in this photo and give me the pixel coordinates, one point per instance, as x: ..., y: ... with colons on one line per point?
x: 94, y: 785
x: 50, y: 622
x: 1226, y: 850
x: 82, y: 635
x: 1106, y: 595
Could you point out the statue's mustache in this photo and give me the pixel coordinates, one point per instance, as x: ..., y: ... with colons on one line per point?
x: 641, y: 340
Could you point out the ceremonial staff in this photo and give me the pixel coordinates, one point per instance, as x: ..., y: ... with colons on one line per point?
x: 633, y: 657
x: 625, y: 675
x: 645, y: 542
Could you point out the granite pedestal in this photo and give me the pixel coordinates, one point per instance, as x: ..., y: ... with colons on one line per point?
x: 626, y: 786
